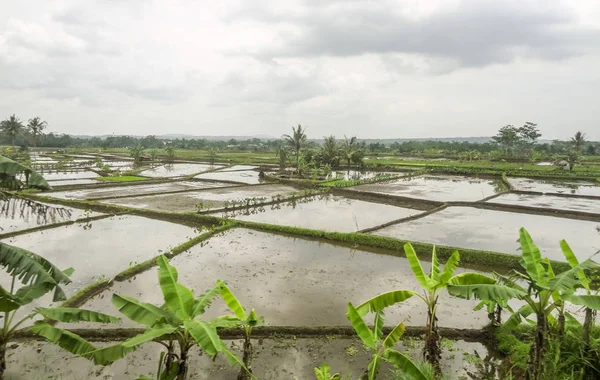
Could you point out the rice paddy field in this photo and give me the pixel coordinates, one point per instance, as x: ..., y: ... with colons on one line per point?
x: 295, y: 251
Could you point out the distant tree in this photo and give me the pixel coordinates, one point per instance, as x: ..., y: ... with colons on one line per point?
x: 348, y: 147
x: 282, y: 153
x: 297, y: 140
x: 136, y: 153
x: 170, y: 151
x: 12, y: 127
x: 578, y: 141
x: 528, y: 134
x: 508, y: 138
x: 591, y: 150
x: 36, y: 126
x: 330, y: 151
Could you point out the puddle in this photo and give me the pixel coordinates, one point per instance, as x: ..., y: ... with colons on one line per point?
x: 213, y: 198
x: 549, y: 201
x: 328, y: 212
x: 176, y: 170
x: 57, y: 175
x: 103, y: 247
x: 293, y: 282
x: 555, y: 186
x: 278, y: 358
x: 10, y: 224
x: 437, y: 188
x: 245, y: 176
x: 498, y: 231
x: 135, y: 189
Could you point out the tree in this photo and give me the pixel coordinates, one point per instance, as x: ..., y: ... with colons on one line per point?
x: 296, y: 141
x: 179, y: 320
x: 578, y: 141
x: 432, y: 285
x: 508, y: 137
x: 282, y: 153
x: 348, y: 147
x: 36, y: 126
x: 330, y: 151
x: 542, y: 291
x: 136, y: 153
x: 12, y: 127
x: 38, y: 278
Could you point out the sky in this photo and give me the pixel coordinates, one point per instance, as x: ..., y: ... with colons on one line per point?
x: 374, y: 69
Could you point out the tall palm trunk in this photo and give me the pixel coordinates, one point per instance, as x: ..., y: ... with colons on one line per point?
x: 588, y: 323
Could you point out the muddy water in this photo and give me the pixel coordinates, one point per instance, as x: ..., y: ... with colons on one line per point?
x: 498, y: 231
x: 103, y: 247
x: 356, y: 175
x: 330, y: 213
x: 213, y: 198
x: 72, y: 182
x: 245, y: 176
x: 239, y: 167
x: 274, y: 359
x: 437, y: 188
x: 62, y: 214
x: 135, y: 189
x: 293, y: 281
x: 555, y: 186
x: 176, y: 170
x: 549, y: 201
x: 54, y: 175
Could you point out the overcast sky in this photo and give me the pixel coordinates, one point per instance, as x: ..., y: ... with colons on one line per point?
x: 375, y: 69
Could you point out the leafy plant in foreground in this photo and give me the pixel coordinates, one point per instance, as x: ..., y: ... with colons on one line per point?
x: 383, y: 346
x: 543, y: 293
x: 324, y: 373
x: 38, y: 278
x: 433, y: 285
x: 175, y: 324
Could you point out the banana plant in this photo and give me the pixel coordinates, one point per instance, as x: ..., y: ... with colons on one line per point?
x: 39, y: 277
x: 246, y: 320
x: 176, y: 321
x: 382, y: 346
x: 433, y: 285
x: 543, y: 293
x: 324, y: 373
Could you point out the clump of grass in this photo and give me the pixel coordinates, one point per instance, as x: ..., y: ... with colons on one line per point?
x: 123, y: 178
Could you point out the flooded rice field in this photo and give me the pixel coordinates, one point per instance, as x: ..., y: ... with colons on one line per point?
x: 293, y: 282
x: 176, y: 170
x: 68, y: 174
x: 250, y: 177
x: 498, y: 231
x: 549, y: 201
x: 281, y: 358
x: 204, y: 199
x: 12, y: 223
x: 102, y: 247
x: 328, y: 213
x: 437, y: 188
x: 555, y: 186
x: 136, y: 189
x: 357, y: 175
x: 72, y: 182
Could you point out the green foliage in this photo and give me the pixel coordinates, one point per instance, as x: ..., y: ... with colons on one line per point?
x: 14, y: 176
x: 324, y: 373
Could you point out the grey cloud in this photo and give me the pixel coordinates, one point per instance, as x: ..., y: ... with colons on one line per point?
x: 476, y: 33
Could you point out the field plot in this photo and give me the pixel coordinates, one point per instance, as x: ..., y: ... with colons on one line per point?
x: 276, y: 359
x: 437, y: 188
x: 30, y: 221
x: 549, y: 201
x: 498, y: 231
x: 293, y: 282
x: 356, y: 175
x: 103, y: 247
x: 68, y: 174
x: 176, y: 170
x: 210, y: 198
x: 555, y: 186
x: 244, y: 176
x: 136, y: 189
x: 73, y: 182
x: 329, y: 213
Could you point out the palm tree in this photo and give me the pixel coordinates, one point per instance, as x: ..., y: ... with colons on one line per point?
x: 296, y: 141
x: 36, y: 126
x: 578, y: 141
x: 330, y: 151
x: 12, y: 127
x: 349, y: 146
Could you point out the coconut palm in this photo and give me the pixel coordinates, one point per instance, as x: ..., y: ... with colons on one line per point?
x: 36, y: 126
x: 578, y: 141
x: 12, y: 127
x: 330, y: 151
x: 296, y: 141
x: 349, y: 146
